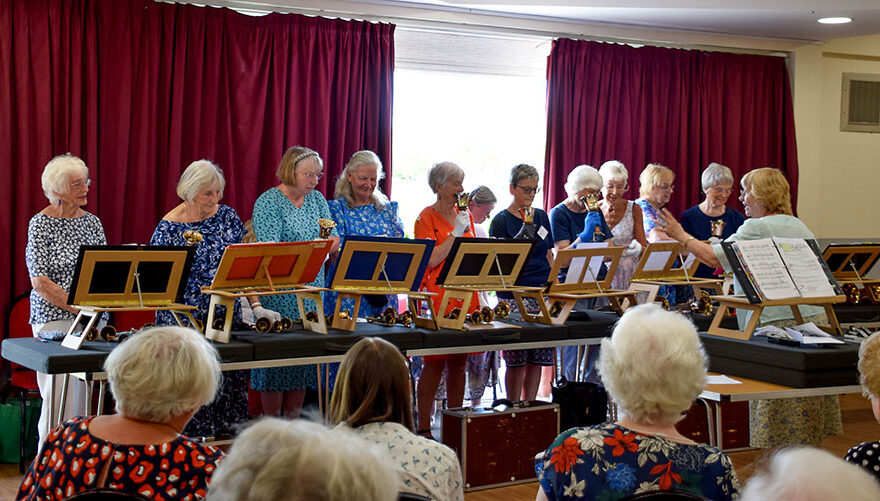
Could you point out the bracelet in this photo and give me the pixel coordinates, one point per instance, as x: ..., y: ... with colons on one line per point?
x: 256, y: 305
x: 686, y: 242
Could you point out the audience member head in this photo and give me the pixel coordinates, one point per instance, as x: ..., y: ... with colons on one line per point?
x: 199, y: 176
x: 614, y: 180
x: 63, y: 175
x: 769, y: 190
x: 809, y: 474
x: 869, y: 371
x: 583, y: 180
x: 482, y: 203
x: 653, y: 365
x: 655, y: 184
x: 162, y: 373
x: 279, y: 460
x: 300, y: 168
x: 372, y: 385
x: 358, y: 183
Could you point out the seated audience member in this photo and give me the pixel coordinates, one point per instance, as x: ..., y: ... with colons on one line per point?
x: 809, y: 474
x: 281, y: 460
x: 653, y: 367
x: 159, y: 378
x: 373, y: 397
x: 867, y: 454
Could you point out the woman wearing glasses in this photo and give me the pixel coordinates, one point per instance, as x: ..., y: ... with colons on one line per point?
x: 717, y: 181
x: 655, y: 189
x: 625, y: 219
x: 289, y: 212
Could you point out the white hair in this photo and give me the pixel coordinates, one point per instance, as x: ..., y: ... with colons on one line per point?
x: 343, y: 185
x: 810, y: 474
x: 200, y: 175
x: 653, y: 365
x: 57, y: 173
x: 162, y: 373
x: 441, y: 173
x: 716, y: 174
x: 581, y: 178
x: 613, y: 170
x: 280, y: 460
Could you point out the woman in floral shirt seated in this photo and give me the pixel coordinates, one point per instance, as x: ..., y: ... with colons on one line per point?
x: 653, y: 366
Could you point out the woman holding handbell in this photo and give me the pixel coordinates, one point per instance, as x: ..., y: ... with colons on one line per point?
x: 289, y: 212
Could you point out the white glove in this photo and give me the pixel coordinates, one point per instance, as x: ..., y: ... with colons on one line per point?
x: 260, y: 312
x: 633, y: 249
x: 462, y: 223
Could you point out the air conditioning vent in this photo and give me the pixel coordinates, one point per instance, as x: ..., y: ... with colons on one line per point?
x: 860, y: 103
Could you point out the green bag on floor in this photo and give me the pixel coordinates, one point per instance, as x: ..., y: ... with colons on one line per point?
x: 10, y: 429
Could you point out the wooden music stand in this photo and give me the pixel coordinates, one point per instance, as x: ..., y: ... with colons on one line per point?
x: 381, y: 265
x: 481, y: 264
x: 267, y: 269
x: 663, y: 263
x: 849, y: 263
x: 127, y: 278
x: 581, y: 283
x: 742, y: 302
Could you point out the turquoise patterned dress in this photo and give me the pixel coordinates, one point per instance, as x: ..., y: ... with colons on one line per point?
x: 276, y: 219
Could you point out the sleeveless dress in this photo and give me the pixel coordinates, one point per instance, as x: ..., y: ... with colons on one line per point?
x: 622, y: 236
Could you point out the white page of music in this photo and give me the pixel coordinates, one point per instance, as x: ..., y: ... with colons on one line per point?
x: 804, y: 267
x: 577, y: 264
x: 762, y: 261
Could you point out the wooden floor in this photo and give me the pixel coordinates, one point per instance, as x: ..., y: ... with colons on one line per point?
x: 858, y: 426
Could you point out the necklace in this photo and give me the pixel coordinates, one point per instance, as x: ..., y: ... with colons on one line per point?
x: 153, y: 423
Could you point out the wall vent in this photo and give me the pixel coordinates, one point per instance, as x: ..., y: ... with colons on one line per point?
x: 860, y: 103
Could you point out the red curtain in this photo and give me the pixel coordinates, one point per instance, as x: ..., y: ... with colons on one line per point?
x: 139, y: 89
x: 681, y: 108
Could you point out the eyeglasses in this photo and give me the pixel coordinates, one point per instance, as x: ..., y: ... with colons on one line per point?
x: 79, y: 184
x: 616, y: 186
x: 665, y: 187
x: 313, y: 175
x: 528, y: 190
x: 723, y: 191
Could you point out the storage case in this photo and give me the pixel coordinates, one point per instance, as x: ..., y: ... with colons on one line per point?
x: 498, y: 447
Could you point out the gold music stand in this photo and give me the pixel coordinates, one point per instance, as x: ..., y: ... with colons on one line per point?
x: 381, y: 265
x: 664, y: 263
x: 127, y: 278
x: 481, y: 264
x: 266, y: 269
x: 582, y: 282
x: 850, y: 263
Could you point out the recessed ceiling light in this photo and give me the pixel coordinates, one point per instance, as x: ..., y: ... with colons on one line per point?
x: 835, y: 20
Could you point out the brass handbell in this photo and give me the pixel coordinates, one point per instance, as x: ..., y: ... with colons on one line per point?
x: 663, y: 302
x: 405, y: 319
x: 502, y: 309
x: 312, y: 316
x: 218, y: 322
x: 702, y: 304
x: 454, y: 313
x: 264, y: 325
x: 192, y: 237
x: 475, y: 317
x: 462, y: 200
x: 717, y: 227
x: 325, y: 227
x: 591, y: 202
x: 556, y: 308
x: 851, y: 292
x: 386, y: 318
x: 528, y: 215
x: 488, y: 314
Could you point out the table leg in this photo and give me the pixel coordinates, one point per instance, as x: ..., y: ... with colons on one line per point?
x: 102, y: 390
x: 65, y: 381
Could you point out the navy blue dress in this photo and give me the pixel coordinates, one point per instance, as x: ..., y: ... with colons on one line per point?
x: 699, y: 225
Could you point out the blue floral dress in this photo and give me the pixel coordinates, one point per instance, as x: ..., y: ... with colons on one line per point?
x: 610, y: 462
x: 224, y: 228
x: 276, y: 219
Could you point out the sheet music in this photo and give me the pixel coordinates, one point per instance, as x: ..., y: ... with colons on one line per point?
x: 656, y: 261
x: 763, y: 263
x: 804, y: 267
x: 577, y: 264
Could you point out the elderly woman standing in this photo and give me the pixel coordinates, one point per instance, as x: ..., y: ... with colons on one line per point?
x: 624, y: 217
x: 201, y: 187
x: 524, y: 366
x: 159, y: 378
x: 717, y: 182
x: 766, y: 197
x: 289, y: 212
x: 360, y: 208
x: 55, y: 235
x: 442, y: 223
x: 653, y: 367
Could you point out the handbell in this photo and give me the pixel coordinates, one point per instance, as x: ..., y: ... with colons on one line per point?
x: 528, y: 215
x: 325, y: 227
x: 475, y: 317
x: 286, y: 323
x: 717, y: 227
x: 264, y: 325
x: 502, y: 309
x: 462, y: 200
x: 702, y: 304
x: 488, y: 314
x: 192, y: 237
x: 454, y: 313
x: 312, y: 316
x: 591, y: 201
x: 556, y: 308
x: 405, y: 319
x: 663, y: 302
x: 851, y: 292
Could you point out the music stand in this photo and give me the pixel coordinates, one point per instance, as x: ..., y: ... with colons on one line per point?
x: 127, y: 278
x: 266, y: 269
x: 581, y: 282
x: 382, y: 265
x: 481, y: 264
x: 664, y: 263
x: 850, y: 263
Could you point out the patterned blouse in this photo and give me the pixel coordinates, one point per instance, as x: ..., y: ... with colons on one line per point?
x: 52, y: 249
x: 72, y: 459
x: 650, y: 216
x: 425, y: 467
x: 609, y: 462
x: 867, y: 456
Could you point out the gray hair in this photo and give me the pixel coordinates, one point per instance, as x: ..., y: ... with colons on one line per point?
x: 162, y: 373
x: 716, y: 174
x: 198, y: 176
x: 810, y: 474
x: 482, y: 195
x: 441, y: 173
x: 581, y: 178
x: 523, y: 171
x: 280, y: 460
x: 653, y: 366
x: 57, y: 173
x: 343, y: 185
x: 613, y: 170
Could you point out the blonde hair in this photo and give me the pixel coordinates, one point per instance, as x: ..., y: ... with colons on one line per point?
x: 343, y: 185
x: 197, y: 176
x: 249, y: 236
x: 286, y: 171
x: 869, y: 365
x: 653, y: 175
x: 57, y: 173
x: 770, y: 189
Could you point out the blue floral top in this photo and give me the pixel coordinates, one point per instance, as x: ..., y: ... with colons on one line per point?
x: 220, y: 230
x: 610, y: 462
x: 650, y: 216
x: 364, y: 220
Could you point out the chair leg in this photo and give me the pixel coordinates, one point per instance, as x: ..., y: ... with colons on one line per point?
x: 21, y: 429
